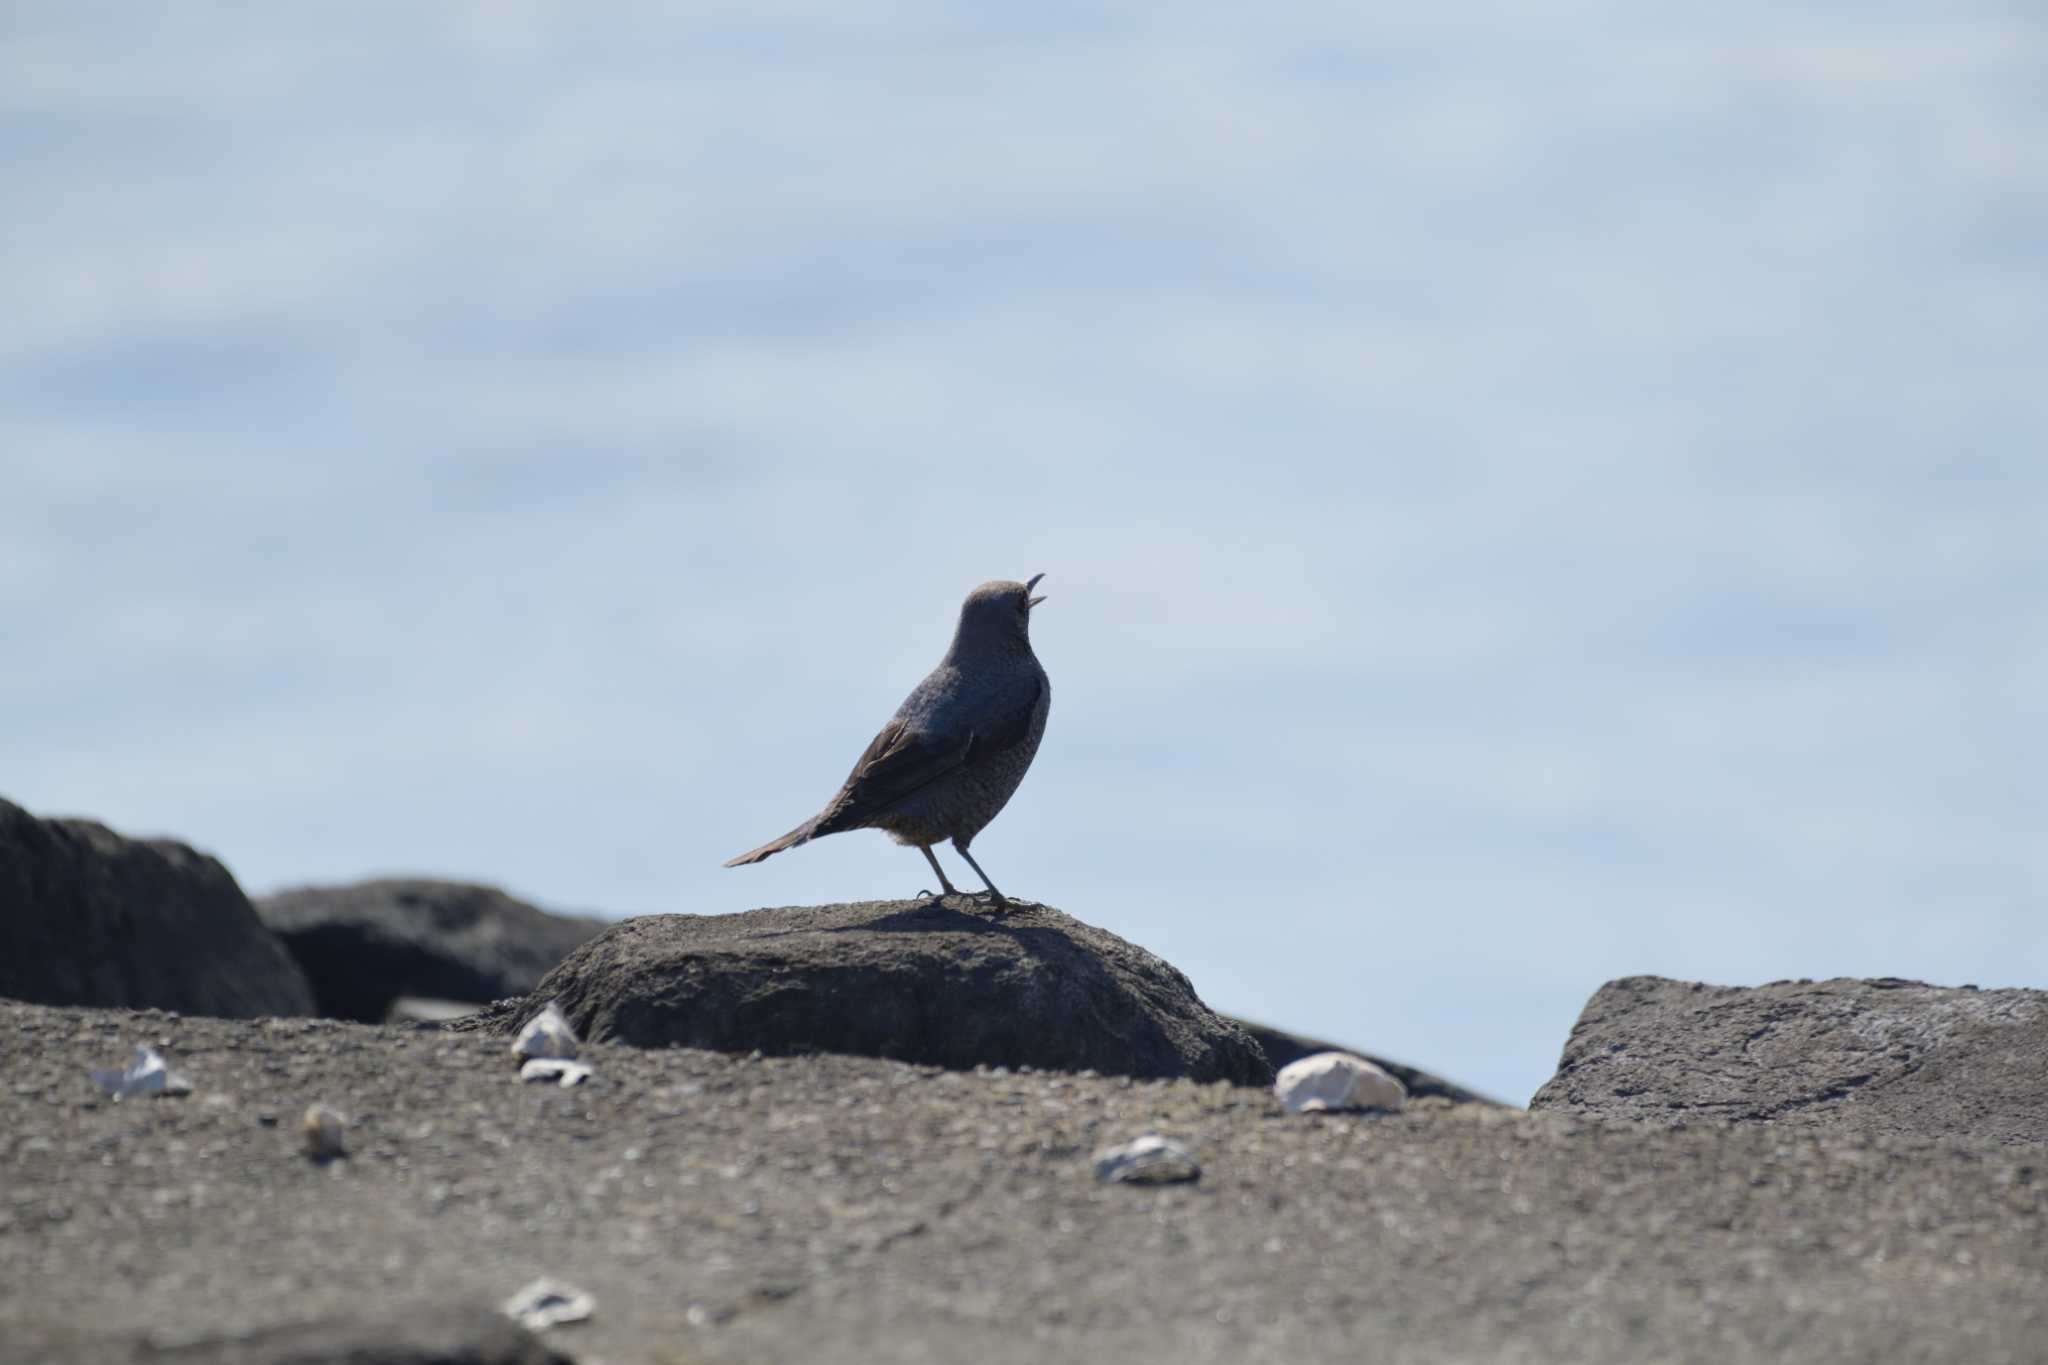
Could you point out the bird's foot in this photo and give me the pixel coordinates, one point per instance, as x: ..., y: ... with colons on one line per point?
x: 993, y: 897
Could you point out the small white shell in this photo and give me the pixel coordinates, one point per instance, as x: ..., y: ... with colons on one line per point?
x: 1336, y: 1080
x: 548, y: 1303
x: 547, y: 1034
x: 322, y: 1129
x: 148, y: 1074
x: 559, y: 1069
x: 1147, y: 1160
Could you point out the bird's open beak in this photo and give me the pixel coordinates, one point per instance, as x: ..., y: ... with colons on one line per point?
x: 1031, y: 583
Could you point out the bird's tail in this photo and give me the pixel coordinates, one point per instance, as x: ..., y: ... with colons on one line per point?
x: 800, y: 835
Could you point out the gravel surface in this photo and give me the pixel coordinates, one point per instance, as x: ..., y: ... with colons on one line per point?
x: 723, y: 1208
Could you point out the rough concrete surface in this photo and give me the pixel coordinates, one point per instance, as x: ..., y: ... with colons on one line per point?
x: 946, y: 983
x: 426, y: 1334
x: 1884, y: 1056
x: 825, y: 1207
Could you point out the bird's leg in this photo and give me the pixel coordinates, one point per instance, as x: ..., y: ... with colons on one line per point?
x: 951, y: 890
x: 1001, y: 904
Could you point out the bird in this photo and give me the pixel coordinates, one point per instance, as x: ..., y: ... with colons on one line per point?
x: 958, y: 746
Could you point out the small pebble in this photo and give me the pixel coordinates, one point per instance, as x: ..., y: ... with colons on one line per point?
x: 547, y: 1034
x: 558, y: 1069
x: 322, y: 1132
x: 1147, y: 1160
x: 148, y: 1074
x: 548, y: 1303
x: 1336, y: 1080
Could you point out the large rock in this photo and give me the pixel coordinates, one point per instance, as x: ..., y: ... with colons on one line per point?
x: 1883, y: 1056
x: 88, y: 917
x: 917, y: 981
x: 1282, y: 1047
x: 364, y: 945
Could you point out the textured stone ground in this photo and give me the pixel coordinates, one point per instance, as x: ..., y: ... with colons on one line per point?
x: 726, y: 1209
x: 1885, y: 1057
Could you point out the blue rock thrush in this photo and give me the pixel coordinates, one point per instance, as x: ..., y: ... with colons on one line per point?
x: 953, y: 753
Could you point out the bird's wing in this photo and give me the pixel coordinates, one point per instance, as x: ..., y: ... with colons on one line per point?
x: 899, y: 763
x: 903, y: 760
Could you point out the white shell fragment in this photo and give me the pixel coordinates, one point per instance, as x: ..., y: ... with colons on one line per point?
x: 558, y: 1069
x: 1147, y: 1160
x: 147, y: 1075
x: 1336, y: 1080
x: 322, y: 1129
x: 424, y: 1009
x: 548, y: 1303
x: 547, y: 1034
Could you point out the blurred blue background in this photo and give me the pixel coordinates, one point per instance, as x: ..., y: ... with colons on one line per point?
x: 1528, y: 493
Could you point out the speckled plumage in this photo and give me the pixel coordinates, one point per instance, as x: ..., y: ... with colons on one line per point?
x: 959, y: 745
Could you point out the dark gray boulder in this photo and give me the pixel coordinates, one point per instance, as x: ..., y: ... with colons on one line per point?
x: 88, y: 917
x: 365, y: 945
x: 1882, y: 1056
x: 1282, y: 1047
x: 917, y: 981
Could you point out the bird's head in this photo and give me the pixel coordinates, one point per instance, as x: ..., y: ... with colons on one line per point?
x: 997, y: 613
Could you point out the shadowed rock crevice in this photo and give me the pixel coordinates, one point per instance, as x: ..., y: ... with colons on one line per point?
x: 366, y: 944
x: 916, y: 981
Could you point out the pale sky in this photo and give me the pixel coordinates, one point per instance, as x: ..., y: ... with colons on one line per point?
x: 1528, y: 494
